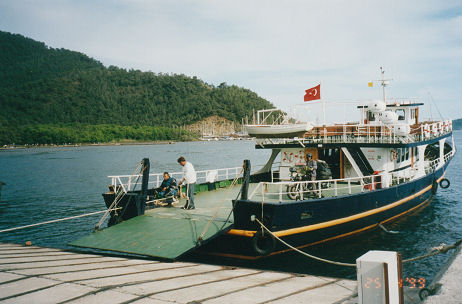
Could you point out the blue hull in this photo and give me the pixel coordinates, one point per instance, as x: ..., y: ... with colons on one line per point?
x: 309, y: 222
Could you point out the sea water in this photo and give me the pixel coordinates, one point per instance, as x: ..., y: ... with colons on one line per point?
x: 51, y: 183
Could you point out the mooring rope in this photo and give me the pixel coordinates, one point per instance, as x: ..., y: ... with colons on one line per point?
x: 56, y: 221
x: 302, y: 252
x: 443, y: 248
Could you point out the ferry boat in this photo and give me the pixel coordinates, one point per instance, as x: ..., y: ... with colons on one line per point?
x: 383, y: 167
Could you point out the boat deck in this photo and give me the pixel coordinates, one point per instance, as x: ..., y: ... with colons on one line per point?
x: 46, y: 275
x: 151, y: 234
x: 168, y: 232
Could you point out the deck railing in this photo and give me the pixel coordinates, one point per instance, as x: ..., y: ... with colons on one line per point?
x: 130, y: 182
x: 365, y: 133
x: 435, y: 164
x: 279, y: 191
x: 317, y: 189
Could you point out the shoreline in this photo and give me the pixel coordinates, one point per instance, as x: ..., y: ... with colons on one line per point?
x: 124, y: 143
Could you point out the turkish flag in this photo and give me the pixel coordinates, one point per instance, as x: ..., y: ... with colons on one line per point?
x: 313, y: 93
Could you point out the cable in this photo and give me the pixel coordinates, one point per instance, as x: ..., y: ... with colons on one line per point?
x: 443, y: 248
x: 302, y: 252
x: 57, y: 220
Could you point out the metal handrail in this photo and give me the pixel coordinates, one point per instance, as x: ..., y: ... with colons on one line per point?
x: 362, y: 133
x: 434, y: 164
x: 364, y: 184
x: 128, y: 182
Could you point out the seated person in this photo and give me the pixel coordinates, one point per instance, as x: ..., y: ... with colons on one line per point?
x: 167, y: 188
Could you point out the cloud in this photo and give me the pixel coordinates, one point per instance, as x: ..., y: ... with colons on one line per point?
x: 276, y: 48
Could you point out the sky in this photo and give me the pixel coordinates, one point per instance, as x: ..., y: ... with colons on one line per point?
x: 276, y: 48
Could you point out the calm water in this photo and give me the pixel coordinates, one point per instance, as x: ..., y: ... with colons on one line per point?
x: 51, y: 183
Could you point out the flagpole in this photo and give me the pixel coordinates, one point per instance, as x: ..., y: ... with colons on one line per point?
x: 323, y: 110
x: 323, y: 115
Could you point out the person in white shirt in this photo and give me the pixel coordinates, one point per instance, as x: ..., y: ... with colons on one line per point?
x: 189, y: 177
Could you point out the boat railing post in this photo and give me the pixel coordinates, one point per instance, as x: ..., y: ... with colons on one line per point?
x: 349, y: 186
x: 113, y: 182
x: 300, y: 185
x: 141, y: 200
x: 263, y: 192
x: 227, y: 173
x: 280, y: 192
x: 373, y: 182
x: 129, y: 182
x: 344, y: 132
x: 122, y: 185
x: 157, y: 180
x: 335, y: 188
x: 319, y: 189
x: 246, y: 180
x: 361, y: 184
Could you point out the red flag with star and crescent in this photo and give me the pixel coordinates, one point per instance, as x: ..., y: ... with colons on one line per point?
x: 313, y: 93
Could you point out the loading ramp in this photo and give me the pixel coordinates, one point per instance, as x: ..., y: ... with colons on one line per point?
x: 167, y: 233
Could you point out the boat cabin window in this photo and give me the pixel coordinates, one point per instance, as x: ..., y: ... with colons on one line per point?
x: 403, y: 154
x: 401, y: 114
x: 370, y: 116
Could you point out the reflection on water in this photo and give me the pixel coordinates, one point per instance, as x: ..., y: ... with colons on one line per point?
x: 50, y: 183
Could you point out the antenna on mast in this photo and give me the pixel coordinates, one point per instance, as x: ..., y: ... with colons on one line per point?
x: 384, y: 83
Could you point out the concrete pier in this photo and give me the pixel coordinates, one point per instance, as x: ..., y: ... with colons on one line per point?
x: 448, y: 282
x: 30, y: 274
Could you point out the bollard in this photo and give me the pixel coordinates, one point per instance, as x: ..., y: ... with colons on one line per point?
x: 380, y: 278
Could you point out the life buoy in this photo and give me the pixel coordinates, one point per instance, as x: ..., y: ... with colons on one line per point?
x: 263, y: 244
x: 441, y: 127
x: 435, y: 129
x: 434, y: 187
x: 426, y: 131
x: 445, y: 183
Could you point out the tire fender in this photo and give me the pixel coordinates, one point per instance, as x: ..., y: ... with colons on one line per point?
x: 444, y: 183
x: 263, y: 244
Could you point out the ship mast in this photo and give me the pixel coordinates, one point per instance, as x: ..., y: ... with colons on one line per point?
x: 384, y: 83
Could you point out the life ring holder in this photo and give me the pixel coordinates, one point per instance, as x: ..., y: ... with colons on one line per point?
x: 393, y: 154
x: 288, y: 157
x: 444, y: 183
x: 263, y: 244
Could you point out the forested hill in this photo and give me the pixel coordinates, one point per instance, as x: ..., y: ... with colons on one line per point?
x: 56, y: 87
x: 457, y: 124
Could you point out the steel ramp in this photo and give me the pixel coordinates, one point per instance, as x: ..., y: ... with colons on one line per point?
x: 161, y: 232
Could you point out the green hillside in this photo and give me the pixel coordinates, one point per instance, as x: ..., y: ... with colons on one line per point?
x: 457, y: 124
x: 56, y: 95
